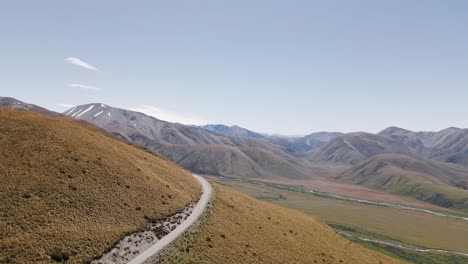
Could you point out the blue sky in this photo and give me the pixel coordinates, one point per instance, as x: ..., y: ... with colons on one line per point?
x: 290, y: 67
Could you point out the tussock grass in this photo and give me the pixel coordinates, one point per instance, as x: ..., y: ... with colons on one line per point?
x: 240, y: 229
x: 68, y: 192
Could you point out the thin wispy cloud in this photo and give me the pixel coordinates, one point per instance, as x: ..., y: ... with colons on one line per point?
x: 65, y: 105
x: 170, y: 116
x: 80, y: 63
x: 85, y: 87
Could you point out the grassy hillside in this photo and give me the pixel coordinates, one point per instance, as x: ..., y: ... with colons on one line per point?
x: 69, y: 192
x: 438, y: 183
x: 436, y: 194
x: 240, y: 229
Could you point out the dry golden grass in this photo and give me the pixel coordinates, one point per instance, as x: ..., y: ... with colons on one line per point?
x: 240, y: 229
x: 69, y: 191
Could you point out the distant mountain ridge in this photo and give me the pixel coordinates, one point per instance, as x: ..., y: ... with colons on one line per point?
x: 448, y: 145
x: 324, y: 136
x: 194, y: 148
x: 16, y: 104
x: 233, y: 131
x: 353, y: 148
x: 301, y: 145
x: 435, y: 182
x: 363, y: 158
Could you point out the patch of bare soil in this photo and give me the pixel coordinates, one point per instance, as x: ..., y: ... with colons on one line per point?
x: 131, y: 245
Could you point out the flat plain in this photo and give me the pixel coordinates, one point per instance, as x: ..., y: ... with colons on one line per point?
x: 409, y: 227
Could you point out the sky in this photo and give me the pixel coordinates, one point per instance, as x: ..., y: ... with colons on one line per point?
x: 284, y: 67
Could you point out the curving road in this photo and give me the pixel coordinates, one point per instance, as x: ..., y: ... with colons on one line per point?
x: 169, y: 238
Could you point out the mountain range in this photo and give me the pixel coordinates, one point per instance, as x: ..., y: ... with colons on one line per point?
x: 233, y: 131
x: 448, y: 145
x: 436, y: 182
x: 70, y: 193
x: 197, y: 149
x: 355, y: 158
x: 239, y: 152
x: 16, y: 104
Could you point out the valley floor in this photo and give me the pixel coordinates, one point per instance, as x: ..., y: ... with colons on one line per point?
x: 405, y: 227
x: 239, y: 229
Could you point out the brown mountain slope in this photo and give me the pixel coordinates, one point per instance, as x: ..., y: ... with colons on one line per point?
x: 353, y: 148
x: 226, y: 160
x: 73, y: 192
x: 407, y: 137
x: 301, y: 145
x: 296, y: 145
x: 195, y: 148
x: 233, y: 131
x: 448, y: 145
x: 435, y: 182
x: 240, y: 229
x: 16, y: 104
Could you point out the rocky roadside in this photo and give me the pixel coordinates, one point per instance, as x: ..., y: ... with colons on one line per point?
x: 131, y: 245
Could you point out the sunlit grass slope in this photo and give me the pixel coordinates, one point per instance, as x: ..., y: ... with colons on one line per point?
x: 240, y: 229
x: 69, y: 192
